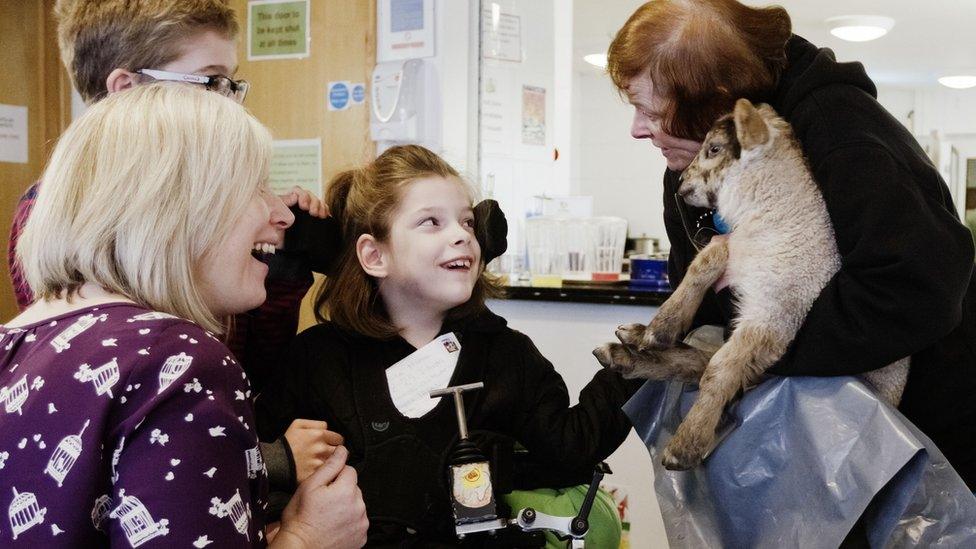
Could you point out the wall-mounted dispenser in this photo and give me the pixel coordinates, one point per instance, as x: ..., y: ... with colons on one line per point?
x: 406, y: 105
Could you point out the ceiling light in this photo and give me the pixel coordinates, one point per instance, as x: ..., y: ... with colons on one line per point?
x: 860, y: 28
x: 958, y: 81
x: 596, y: 59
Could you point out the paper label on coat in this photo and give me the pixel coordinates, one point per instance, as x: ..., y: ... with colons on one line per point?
x: 428, y: 368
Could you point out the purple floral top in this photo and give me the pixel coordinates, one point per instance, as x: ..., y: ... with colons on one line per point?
x: 125, y: 427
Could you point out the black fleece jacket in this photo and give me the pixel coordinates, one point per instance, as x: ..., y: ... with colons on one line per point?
x: 339, y: 377
x: 906, y: 285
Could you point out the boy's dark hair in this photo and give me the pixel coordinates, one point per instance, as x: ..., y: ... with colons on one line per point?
x: 98, y: 36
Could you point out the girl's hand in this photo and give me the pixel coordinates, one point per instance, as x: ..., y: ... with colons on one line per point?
x: 311, y: 444
x: 327, y: 510
x: 306, y: 201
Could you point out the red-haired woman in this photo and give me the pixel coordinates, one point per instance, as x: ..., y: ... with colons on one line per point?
x: 906, y: 284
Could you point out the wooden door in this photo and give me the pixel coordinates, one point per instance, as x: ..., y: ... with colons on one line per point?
x: 33, y: 77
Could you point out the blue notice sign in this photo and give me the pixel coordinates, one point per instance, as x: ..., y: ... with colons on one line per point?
x: 338, y: 96
x: 358, y: 93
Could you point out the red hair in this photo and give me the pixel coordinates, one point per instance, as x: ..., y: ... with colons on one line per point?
x: 701, y: 55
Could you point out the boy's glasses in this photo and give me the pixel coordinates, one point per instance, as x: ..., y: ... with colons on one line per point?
x: 702, y: 230
x: 233, y: 89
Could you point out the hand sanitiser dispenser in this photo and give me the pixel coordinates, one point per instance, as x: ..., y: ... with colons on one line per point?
x: 405, y: 105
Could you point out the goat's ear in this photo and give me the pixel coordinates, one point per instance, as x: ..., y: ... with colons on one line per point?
x: 750, y: 128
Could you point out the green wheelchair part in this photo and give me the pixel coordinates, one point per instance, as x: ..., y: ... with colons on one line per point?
x: 604, y: 521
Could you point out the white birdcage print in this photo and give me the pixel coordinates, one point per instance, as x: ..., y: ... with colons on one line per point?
x: 137, y: 523
x: 238, y: 513
x: 63, y: 340
x: 24, y: 512
x: 255, y: 462
x: 150, y: 316
x: 236, y: 509
x: 65, y: 456
x: 172, y: 369
x: 100, y: 510
x: 104, y: 377
x: 14, y: 397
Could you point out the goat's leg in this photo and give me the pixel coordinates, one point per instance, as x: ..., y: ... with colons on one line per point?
x: 676, y: 363
x: 739, y: 364
x: 676, y: 314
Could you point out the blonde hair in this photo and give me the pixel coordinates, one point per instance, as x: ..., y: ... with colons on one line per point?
x: 138, y: 190
x: 701, y: 56
x: 98, y: 36
x: 364, y: 201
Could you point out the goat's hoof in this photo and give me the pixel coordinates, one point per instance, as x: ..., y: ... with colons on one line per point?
x: 631, y: 334
x: 680, y: 458
x: 604, y: 355
x: 617, y: 358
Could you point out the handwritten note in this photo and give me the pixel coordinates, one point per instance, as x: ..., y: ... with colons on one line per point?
x: 429, y: 367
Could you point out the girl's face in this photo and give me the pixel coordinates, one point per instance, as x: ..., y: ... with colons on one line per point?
x: 231, y: 277
x: 647, y: 125
x: 432, y: 258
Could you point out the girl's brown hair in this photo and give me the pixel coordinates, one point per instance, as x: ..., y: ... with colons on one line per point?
x: 701, y: 56
x: 364, y: 201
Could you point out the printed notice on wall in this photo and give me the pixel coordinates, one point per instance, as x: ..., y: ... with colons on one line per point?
x: 13, y: 134
x: 500, y: 106
x: 404, y: 29
x: 502, y: 35
x: 533, y: 115
x: 297, y: 162
x: 277, y: 29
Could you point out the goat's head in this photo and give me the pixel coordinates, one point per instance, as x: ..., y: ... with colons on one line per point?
x: 735, y: 139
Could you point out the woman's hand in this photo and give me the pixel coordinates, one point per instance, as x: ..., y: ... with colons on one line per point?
x: 312, y: 443
x: 306, y: 201
x: 327, y: 510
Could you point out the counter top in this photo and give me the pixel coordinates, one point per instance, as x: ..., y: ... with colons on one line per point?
x: 617, y: 293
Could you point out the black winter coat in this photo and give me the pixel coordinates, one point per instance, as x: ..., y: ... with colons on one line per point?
x: 340, y: 377
x: 906, y: 285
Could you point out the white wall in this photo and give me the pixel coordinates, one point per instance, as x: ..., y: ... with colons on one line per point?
x: 456, y: 62
x: 942, y: 119
x: 623, y: 174
x: 947, y: 110
x: 513, y: 171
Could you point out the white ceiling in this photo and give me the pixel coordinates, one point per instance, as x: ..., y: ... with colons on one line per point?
x: 930, y: 38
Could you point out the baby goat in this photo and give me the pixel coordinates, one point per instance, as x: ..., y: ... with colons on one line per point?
x: 778, y: 257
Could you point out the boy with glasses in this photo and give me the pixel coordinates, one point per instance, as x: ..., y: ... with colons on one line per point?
x: 104, y: 45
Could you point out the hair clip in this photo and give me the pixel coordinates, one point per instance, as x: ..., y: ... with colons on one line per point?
x: 491, y: 229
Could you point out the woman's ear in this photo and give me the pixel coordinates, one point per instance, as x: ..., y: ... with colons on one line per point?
x: 372, y: 257
x: 120, y: 79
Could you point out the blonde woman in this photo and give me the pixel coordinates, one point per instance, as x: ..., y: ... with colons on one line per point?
x: 127, y: 421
